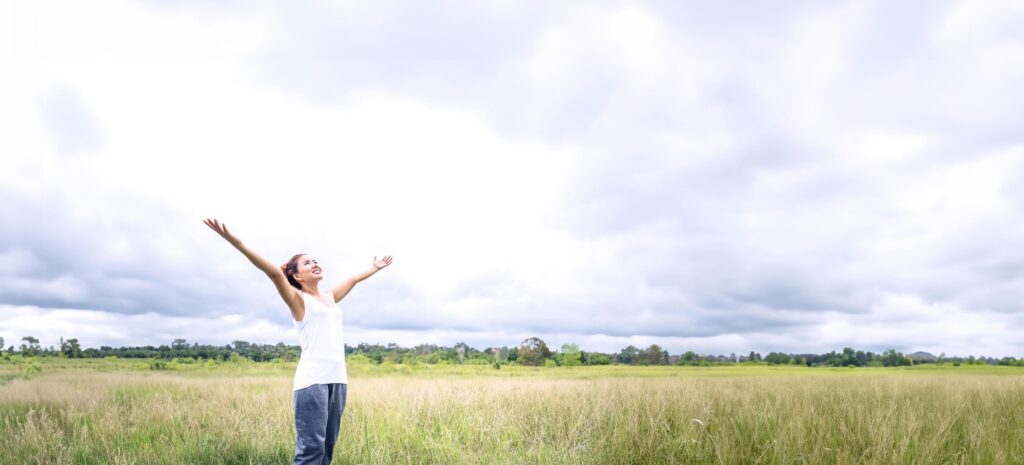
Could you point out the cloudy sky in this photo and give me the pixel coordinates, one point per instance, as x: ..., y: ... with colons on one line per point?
x: 792, y: 176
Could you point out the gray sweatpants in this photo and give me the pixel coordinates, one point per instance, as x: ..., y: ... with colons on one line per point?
x: 318, y: 410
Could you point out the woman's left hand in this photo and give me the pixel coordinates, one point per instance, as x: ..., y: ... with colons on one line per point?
x: 380, y: 263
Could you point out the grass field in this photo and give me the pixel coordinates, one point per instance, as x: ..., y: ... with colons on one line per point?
x: 121, y: 412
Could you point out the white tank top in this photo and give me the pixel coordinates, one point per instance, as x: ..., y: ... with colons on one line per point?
x: 323, y: 344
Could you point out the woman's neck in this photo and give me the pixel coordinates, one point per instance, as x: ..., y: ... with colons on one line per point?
x: 311, y: 289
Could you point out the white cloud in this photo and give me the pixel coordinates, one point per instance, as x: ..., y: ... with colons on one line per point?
x: 602, y: 174
x: 909, y: 323
x: 95, y: 328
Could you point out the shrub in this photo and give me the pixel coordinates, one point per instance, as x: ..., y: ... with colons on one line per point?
x: 32, y: 367
x: 358, y: 359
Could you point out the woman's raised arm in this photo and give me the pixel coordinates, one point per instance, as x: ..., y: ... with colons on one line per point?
x: 340, y: 291
x: 288, y: 293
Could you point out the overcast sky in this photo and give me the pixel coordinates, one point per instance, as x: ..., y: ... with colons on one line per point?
x: 716, y: 177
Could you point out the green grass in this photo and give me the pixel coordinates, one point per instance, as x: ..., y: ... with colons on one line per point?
x: 121, y: 411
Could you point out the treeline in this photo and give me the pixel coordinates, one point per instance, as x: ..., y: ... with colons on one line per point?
x: 179, y: 348
x: 531, y: 352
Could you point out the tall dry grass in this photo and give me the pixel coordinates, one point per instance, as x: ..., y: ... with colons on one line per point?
x: 88, y: 417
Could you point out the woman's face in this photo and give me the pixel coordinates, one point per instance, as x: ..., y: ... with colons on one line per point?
x: 309, y: 270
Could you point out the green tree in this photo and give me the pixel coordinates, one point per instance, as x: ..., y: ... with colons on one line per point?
x: 461, y: 349
x: 849, y: 357
x: 571, y: 355
x: 70, y: 348
x: 628, y: 356
x: 891, y: 358
x: 533, y: 351
x: 179, y: 344
x: 654, y: 355
x: 30, y: 346
x: 513, y: 354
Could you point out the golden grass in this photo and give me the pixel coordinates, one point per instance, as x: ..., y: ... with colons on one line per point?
x: 854, y: 417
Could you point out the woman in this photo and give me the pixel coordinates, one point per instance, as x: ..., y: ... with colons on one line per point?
x: 320, y: 380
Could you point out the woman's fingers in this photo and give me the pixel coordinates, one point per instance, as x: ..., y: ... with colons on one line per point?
x: 217, y: 226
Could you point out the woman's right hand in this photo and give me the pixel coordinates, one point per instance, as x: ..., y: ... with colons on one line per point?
x: 221, y: 229
x: 288, y: 293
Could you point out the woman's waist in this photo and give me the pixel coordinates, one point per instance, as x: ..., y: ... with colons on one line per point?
x: 311, y: 358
